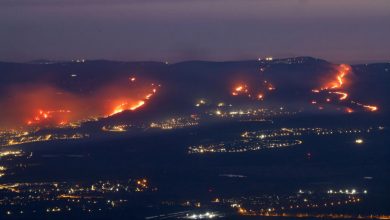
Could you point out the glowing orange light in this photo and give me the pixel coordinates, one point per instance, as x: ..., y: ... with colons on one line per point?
x: 126, y: 106
x: 148, y: 96
x: 343, y: 95
x: 240, y: 89
x: 270, y: 88
x: 345, y: 67
x: 349, y: 110
x: 241, y: 210
x: 48, y: 116
x: 139, y: 104
x: 46, y: 106
x: 118, y: 109
x: 371, y: 107
x: 339, y: 81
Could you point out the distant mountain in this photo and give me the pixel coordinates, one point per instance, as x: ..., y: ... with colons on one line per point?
x: 282, y: 82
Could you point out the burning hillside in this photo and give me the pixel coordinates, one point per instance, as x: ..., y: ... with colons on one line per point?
x: 43, y: 105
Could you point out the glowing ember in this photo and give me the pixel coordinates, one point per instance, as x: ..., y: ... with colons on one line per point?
x: 253, y: 92
x: 343, y: 95
x: 148, y: 96
x: 239, y: 88
x: 371, y: 107
x: 349, y: 110
x: 270, y: 88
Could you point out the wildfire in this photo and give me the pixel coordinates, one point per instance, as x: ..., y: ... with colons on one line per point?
x: 335, y: 86
x: 371, y: 107
x: 132, y: 106
x: 139, y: 104
x: 49, y: 116
x: 127, y: 106
x: 240, y: 89
x: 253, y: 93
x: 148, y: 96
x: 339, y: 81
x: 41, y: 105
x: 343, y: 95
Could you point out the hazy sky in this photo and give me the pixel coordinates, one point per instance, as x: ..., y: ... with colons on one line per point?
x: 176, y: 30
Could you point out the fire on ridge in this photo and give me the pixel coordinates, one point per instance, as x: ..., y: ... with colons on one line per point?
x: 336, y: 86
x: 41, y: 105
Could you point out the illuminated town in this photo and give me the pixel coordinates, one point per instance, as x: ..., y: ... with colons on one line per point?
x: 258, y: 140
x: 55, y: 197
x: 18, y: 138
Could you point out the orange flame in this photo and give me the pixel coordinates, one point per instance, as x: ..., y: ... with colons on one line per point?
x: 343, y: 95
x: 371, y: 107
x: 349, y: 110
x: 126, y: 106
x: 139, y: 104
x: 240, y: 89
x: 337, y: 83
x: 44, y: 116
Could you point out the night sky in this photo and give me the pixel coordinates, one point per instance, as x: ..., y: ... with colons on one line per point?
x: 177, y: 30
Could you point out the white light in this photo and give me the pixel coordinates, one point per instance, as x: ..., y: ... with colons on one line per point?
x: 359, y: 141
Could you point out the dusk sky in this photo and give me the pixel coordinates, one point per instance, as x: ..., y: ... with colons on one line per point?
x: 177, y: 30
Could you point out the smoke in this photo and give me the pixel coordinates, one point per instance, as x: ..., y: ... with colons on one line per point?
x: 41, y: 104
